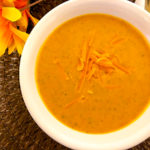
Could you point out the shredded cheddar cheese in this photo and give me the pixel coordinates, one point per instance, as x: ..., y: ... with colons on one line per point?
x: 92, y: 61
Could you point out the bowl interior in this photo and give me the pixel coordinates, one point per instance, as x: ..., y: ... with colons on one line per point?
x: 125, y: 138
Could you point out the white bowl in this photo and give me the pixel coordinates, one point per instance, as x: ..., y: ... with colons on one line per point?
x: 122, y: 139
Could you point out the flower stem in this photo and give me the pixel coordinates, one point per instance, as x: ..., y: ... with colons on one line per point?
x: 31, y: 5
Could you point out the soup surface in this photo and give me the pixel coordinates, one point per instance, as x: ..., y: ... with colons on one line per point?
x: 93, y: 73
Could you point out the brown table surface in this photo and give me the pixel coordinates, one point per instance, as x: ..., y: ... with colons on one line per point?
x: 17, y: 129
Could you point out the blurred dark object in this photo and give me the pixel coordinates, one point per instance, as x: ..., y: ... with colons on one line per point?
x: 17, y: 129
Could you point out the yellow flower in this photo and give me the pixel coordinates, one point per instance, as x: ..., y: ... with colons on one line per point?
x: 13, y: 25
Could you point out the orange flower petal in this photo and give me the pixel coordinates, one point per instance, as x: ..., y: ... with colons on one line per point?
x: 11, y: 41
x: 3, y: 46
x: 3, y: 30
x: 3, y: 22
x: 19, y: 44
x: 11, y: 45
x: 20, y: 34
x: 23, y: 22
x: 8, y: 3
x: 21, y: 3
x: 11, y: 13
x: 11, y: 48
x: 4, y: 43
x: 33, y: 19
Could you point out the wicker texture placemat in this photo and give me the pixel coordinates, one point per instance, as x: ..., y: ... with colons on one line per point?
x: 17, y: 129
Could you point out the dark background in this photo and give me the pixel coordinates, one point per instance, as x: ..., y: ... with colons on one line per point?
x: 17, y: 129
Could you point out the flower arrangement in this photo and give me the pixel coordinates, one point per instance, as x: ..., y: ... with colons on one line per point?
x: 14, y: 20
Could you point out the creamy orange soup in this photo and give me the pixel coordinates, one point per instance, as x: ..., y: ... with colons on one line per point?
x: 93, y: 73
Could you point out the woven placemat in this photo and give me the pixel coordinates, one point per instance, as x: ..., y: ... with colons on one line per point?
x: 17, y: 129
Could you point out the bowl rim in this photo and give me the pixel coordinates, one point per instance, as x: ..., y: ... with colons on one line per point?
x: 128, y: 144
